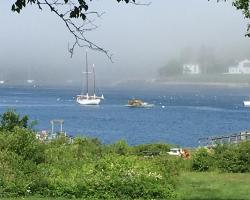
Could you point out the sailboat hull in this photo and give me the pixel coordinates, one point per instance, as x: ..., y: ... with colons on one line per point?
x: 246, y: 103
x: 88, y: 101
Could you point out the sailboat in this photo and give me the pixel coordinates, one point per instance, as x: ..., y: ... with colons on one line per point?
x: 2, y: 81
x: 29, y: 80
x: 87, y: 99
x: 246, y: 103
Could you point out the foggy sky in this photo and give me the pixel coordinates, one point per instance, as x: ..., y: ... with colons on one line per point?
x: 34, y: 44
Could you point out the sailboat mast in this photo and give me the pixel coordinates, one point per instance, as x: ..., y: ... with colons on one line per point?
x: 87, y: 76
x: 94, y: 77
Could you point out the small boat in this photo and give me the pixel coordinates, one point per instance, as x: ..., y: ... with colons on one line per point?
x: 246, y: 103
x: 86, y: 99
x: 2, y: 80
x: 139, y: 103
x: 30, y: 81
x: 29, y: 77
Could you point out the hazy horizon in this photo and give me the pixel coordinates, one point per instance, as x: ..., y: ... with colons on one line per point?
x: 34, y: 44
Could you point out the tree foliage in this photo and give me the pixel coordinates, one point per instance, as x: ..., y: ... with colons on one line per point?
x: 80, y: 7
x: 232, y: 158
x: 242, y: 5
x: 202, y: 160
x: 10, y: 119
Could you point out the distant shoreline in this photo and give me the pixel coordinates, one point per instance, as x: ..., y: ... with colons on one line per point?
x: 141, y: 85
x: 241, y: 85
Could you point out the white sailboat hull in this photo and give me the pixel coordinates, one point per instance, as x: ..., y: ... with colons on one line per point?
x: 30, y: 81
x: 91, y: 100
x: 246, y: 103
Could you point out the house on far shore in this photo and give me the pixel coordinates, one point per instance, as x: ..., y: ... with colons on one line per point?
x: 191, y: 69
x: 242, y: 68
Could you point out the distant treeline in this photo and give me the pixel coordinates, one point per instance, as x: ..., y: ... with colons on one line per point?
x: 208, y: 61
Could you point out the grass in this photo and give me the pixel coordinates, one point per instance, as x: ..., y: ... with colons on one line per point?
x: 213, y: 186
x: 37, y: 198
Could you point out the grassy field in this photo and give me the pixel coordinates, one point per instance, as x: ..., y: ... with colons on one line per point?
x: 213, y: 186
x: 36, y: 198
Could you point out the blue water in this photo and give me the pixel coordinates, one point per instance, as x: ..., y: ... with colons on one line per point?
x: 189, y: 113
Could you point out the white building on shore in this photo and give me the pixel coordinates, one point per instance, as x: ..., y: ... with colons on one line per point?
x: 242, y: 68
x: 191, y: 69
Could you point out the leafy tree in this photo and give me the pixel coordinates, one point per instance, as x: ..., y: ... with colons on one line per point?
x: 243, y: 5
x: 10, y: 119
x: 24, y: 143
x: 233, y: 158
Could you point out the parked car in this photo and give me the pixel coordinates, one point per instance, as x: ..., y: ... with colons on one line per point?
x: 176, y: 152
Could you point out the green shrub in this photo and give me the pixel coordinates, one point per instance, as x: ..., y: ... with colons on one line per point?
x: 202, y: 160
x: 120, y: 147
x: 120, y: 177
x: 61, y: 151
x: 23, y: 142
x: 233, y: 158
x: 133, y: 177
x: 10, y: 119
x: 244, y: 150
x: 17, y: 175
x: 151, y: 149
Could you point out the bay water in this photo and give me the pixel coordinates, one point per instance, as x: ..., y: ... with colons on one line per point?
x: 181, y: 114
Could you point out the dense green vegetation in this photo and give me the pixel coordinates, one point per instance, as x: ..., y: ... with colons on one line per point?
x: 224, y: 158
x: 84, y: 169
x: 88, y: 169
x: 200, y: 186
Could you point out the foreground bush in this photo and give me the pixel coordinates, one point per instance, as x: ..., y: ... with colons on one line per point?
x: 233, y: 158
x: 225, y: 158
x: 202, y: 160
x: 151, y: 149
x: 20, y: 154
x: 85, y: 168
x: 112, y: 176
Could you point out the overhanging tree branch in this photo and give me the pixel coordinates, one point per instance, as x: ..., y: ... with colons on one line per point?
x: 242, y: 5
x: 76, y: 16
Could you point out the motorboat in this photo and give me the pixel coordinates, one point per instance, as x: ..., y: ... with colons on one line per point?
x: 138, y: 103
